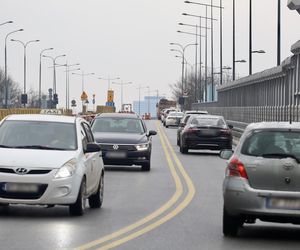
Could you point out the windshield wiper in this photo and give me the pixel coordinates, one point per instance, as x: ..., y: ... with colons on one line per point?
x: 281, y: 155
x: 39, y: 147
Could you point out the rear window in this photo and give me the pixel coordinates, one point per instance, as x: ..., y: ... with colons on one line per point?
x: 208, y: 121
x: 261, y: 143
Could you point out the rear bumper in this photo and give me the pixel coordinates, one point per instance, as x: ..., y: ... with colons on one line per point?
x: 242, y: 200
x: 207, y: 143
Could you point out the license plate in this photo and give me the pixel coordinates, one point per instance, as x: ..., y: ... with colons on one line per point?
x: 280, y: 203
x: 116, y: 155
x: 20, y: 188
x: 207, y: 132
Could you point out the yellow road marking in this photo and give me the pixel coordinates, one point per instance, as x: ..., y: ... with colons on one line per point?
x: 155, y: 214
x: 170, y: 215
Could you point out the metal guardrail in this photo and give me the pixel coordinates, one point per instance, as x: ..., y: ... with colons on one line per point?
x: 271, y: 95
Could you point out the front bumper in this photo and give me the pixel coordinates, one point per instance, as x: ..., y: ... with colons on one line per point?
x: 243, y: 200
x: 56, y: 192
x: 130, y: 158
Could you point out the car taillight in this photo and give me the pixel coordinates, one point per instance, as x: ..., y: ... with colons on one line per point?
x: 225, y: 132
x: 237, y: 168
x: 190, y: 129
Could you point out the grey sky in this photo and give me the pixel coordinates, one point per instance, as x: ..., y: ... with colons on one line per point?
x: 130, y: 39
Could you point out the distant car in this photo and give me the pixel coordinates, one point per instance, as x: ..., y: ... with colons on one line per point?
x: 183, y: 121
x: 206, y: 132
x: 124, y: 139
x: 50, y: 160
x: 263, y: 177
x: 165, y: 114
x: 173, y: 119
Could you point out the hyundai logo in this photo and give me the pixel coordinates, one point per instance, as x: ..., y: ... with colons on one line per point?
x: 288, y: 166
x: 21, y: 171
x: 115, y: 147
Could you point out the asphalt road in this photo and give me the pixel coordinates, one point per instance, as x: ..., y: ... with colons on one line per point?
x: 177, y: 205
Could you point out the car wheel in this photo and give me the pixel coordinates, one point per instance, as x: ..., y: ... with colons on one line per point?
x: 231, y: 224
x: 96, y: 200
x: 183, y: 150
x: 78, y: 207
x: 146, y: 166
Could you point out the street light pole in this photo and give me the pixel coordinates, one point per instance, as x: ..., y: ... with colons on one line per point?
x: 40, y: 77
x: 250, y: 37
x: 109, y: 79
x: 122, y: 84
x: 278, y: 33
x: 233, y: 40
x: 5, y: 66
x: 25, y: 46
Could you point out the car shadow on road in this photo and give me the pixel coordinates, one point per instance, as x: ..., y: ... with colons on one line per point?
x: 204, y: 153
x: 34, y: 212
x: 123, y: 168
x: 266, y: 233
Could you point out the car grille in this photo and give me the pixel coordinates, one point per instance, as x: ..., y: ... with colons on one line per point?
x: 23, y: 195
x: 33, y: 171
x: 121, y: 147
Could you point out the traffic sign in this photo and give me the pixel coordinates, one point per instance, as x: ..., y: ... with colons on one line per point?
x: 84, y: 96
x: 73, y: 103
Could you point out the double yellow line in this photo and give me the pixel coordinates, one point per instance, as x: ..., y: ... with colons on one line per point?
x: 166, y: 212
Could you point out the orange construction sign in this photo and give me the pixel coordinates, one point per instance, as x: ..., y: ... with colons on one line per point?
x: 84, y: 96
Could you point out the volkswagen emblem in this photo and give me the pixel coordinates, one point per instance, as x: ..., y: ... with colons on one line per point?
x: 115, y: 147
x: 21, y: 171
x: 287, y: 180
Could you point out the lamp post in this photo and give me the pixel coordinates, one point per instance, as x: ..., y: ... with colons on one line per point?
x: 109, y: 79
x: 5, y: 63
x: 183, y: 48
x: 250, y: 58
x: 40, y: 76
x: 68, y: 70
x: 54, y: 71
x: 278, y: 32
x: 237, y: 61
x: 24, y: 46
x: 122, y: 84
x: 139, y: 88
x: 211, y: 5
x: 206, y: 36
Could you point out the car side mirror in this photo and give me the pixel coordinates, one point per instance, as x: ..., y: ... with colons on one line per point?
x: 230, y: 126
x: 92, y: 147
x: 181, y: 124
x: 151, y: 132
x: 226, y: 153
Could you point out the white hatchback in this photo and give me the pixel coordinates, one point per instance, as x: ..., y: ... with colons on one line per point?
x: 50, y: 160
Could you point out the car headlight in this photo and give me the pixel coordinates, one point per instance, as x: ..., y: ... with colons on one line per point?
x: 67, y: 170
x: 142, y: 147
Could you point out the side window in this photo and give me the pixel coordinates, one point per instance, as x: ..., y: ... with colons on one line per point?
x: 89, y: 134
x: 83, y: 138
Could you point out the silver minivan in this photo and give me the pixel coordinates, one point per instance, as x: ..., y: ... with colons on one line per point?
x: 262, y: 179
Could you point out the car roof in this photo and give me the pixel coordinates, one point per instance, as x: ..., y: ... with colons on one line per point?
x: 273, y: 125
x: 195, y: 112
x: 120, y: 115
x: 208, y: 116
x: 39, y: 117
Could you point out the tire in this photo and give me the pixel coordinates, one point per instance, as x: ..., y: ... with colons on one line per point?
x: 146, y: 166
x: 183, y: 150
x: 231, y: 224
x: 96, y: 200
x: 78, y: 208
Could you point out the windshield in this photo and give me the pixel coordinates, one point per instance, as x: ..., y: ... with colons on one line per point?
x: 208, y: 121
x: 118, y: 125
x: 265, y: 143
x: 38, y: 135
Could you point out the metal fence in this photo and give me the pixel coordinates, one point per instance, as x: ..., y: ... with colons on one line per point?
x: 271, y: 95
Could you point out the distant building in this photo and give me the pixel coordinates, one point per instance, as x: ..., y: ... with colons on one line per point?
x: 141, y: 107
